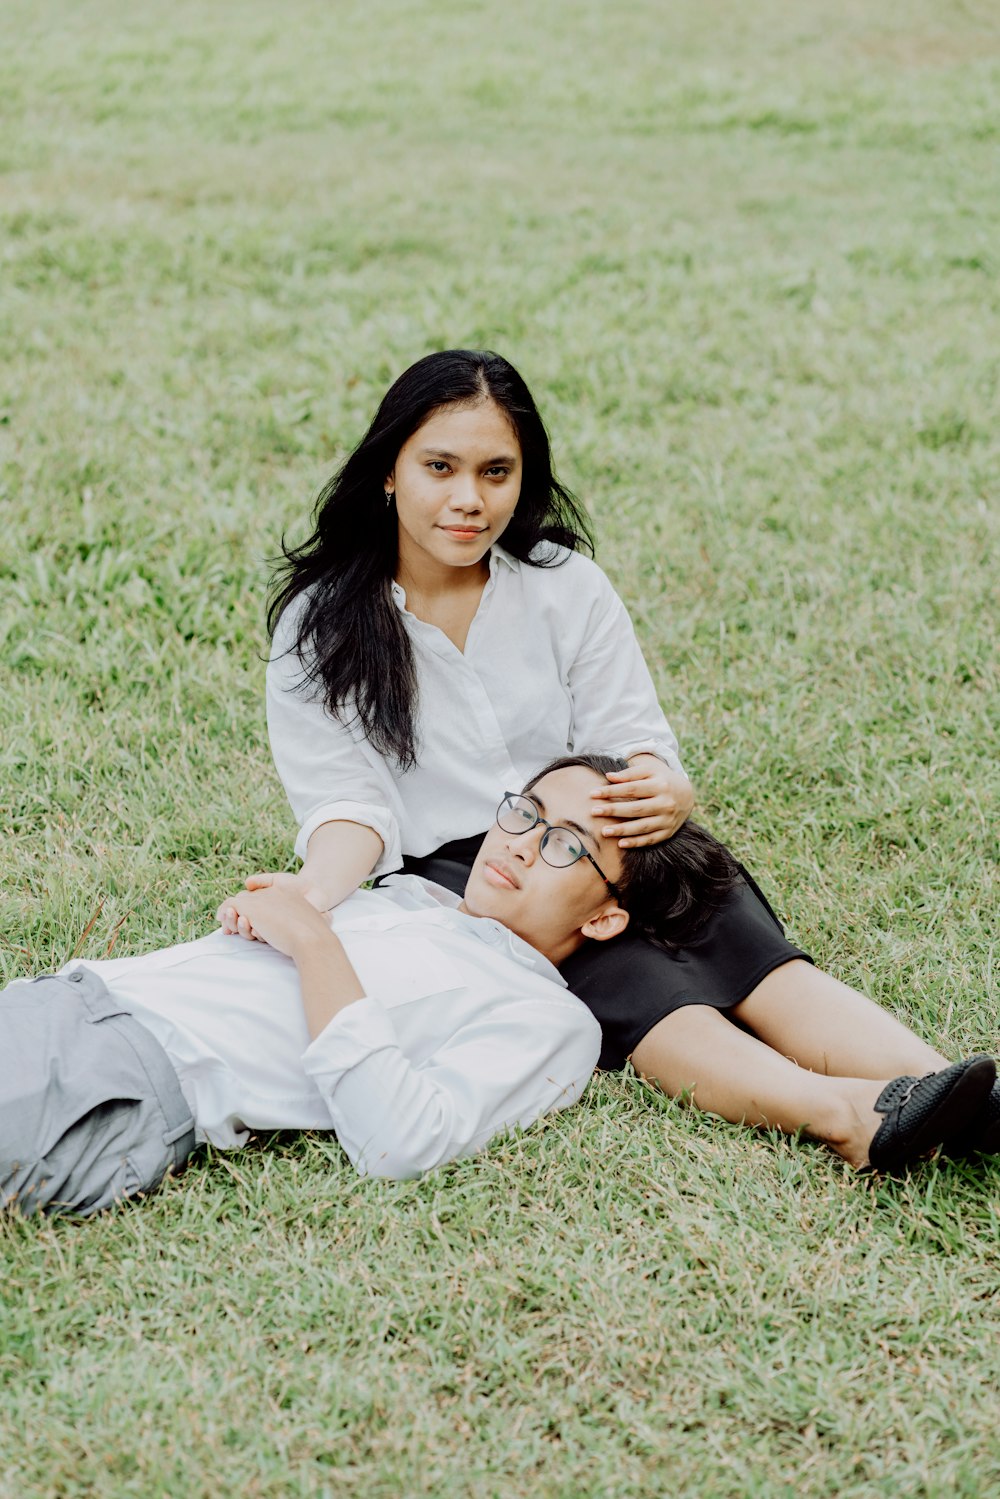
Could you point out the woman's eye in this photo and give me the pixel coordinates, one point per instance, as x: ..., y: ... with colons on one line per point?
x: 438, y: 466
x: 498, y: 473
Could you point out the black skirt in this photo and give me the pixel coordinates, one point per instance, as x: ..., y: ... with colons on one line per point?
x: 628, y: 983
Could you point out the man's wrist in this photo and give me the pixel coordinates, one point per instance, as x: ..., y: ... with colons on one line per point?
x: 313, y: 943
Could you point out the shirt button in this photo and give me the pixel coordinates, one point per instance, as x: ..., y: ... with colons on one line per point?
x: 76, y: 977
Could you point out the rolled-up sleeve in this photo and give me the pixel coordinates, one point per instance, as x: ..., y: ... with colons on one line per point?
x: 397, y: 1119
x: 324, y: 770
x: 615, y: 707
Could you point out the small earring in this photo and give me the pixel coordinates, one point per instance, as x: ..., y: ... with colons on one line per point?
x: 390, y: 495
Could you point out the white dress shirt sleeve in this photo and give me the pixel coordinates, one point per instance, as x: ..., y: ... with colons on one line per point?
x: 397, y: 1119
x: 324, y: 770
x: 615, y: 707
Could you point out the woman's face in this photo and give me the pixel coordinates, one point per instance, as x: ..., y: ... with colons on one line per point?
x: 457, y: 482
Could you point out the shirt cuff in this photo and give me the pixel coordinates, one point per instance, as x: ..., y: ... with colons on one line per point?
x: 657, y: 747
x: 351, y: 1038
x: 369, y: 815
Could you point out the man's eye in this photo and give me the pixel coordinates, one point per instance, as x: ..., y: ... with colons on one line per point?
x: 566, y: 842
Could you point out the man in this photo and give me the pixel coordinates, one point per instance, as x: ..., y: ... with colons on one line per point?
x: 415, y: 1026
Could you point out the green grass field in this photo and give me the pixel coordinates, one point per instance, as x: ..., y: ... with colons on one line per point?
x: 747, y: 257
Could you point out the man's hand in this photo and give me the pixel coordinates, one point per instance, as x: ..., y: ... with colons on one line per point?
x: 278, y: 915
x: 285, y: 919
x: 234, y: 924
x: 646, y: 804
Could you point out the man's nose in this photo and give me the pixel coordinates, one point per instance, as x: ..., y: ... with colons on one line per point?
x: 525, y: 846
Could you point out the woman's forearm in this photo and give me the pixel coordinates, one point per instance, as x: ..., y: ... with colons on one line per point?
x: 340, y: 857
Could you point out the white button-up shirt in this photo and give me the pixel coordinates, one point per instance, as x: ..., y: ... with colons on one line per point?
x: 464, y: 1031
x: 551, y: 667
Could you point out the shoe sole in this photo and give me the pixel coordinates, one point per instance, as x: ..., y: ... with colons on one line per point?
x: 989, y: 1140
x: 970, y: 1088
x: 967, y: 1145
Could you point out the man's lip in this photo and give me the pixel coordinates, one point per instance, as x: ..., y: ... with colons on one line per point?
x: 503, y: 871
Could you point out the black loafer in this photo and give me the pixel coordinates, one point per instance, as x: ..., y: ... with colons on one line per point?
x: 921, y: 1113
x: 981, y: 1136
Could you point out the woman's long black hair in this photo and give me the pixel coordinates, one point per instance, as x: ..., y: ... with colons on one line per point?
x: 350, y: 635
x: 669, y: 889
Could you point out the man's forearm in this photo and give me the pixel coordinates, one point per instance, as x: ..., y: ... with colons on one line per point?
x: 327, y: 979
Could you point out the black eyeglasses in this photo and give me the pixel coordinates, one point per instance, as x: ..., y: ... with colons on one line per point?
x: 559, y: 847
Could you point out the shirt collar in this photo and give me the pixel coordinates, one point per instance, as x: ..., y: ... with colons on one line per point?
x: 420, y: 891
x: 427, y: 894
x: 497, y: 556
x: 502, y: 939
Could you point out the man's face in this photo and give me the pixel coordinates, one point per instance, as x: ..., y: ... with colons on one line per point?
x: 551, y: 908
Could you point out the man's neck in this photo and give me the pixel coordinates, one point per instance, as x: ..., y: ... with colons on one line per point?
x: 555, y: 953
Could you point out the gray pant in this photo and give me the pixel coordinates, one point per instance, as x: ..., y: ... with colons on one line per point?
x: 91, y: 1111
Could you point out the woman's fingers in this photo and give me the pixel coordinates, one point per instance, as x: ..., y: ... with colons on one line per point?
x: 639, y: 828
x: 626, y: 796
x: 646, y: 841
x: 236, y: 925
x: 650, y: 807
x: 226, y: 916
x: 285, y: 880
x: 233, y: 924
x: 653, y: 806
x: 626, y: 790
x: 644, y: 809
x: 640, y: 792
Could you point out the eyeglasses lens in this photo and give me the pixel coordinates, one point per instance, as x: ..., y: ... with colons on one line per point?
x: 516, y: 814
x: 560, y: 848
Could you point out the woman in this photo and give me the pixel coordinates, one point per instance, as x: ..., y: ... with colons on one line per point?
x: 438, y: 635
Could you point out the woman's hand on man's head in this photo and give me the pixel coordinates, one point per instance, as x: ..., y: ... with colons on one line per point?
x: 645, y: 804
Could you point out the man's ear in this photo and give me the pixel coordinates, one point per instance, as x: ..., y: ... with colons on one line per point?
x: 610, y: 921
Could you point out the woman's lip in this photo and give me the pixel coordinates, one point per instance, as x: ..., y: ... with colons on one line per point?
x: 464, y: 532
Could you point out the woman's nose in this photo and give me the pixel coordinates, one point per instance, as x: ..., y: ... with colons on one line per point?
x: 466, y: 497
